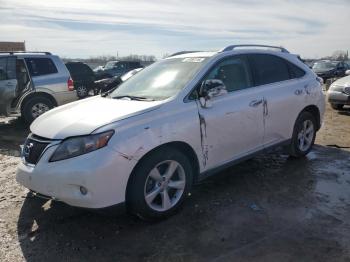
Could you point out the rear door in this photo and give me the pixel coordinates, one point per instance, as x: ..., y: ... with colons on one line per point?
x: 8, y: 83
x: 284, y: 91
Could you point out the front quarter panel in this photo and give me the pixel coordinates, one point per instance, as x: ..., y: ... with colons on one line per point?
x: 136, y: 136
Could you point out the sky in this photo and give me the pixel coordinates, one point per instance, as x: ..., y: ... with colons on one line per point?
x: 86, y: 28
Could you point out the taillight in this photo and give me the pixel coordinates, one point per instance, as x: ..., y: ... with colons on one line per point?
x: 70, y: 84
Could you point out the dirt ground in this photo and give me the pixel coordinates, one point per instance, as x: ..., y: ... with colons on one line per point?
x: 270, y: 208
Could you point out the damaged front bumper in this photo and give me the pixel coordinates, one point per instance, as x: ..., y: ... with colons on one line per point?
x: 94, y: 180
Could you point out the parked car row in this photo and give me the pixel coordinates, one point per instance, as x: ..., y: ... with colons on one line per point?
x: 327, y: 69
x: 109, y: 84
x: 339, y: 92
x: 115, y: 69
x: 32, y: 83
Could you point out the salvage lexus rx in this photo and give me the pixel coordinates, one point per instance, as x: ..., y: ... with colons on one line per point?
x: 174, y: 123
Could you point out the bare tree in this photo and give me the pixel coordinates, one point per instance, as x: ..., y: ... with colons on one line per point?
x: 340, y: 55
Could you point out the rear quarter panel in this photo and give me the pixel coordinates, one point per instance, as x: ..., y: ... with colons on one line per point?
x: 56, y: 84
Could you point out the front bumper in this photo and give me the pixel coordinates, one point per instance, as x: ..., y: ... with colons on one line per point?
x: 335, y: 97
x: 104, y: 173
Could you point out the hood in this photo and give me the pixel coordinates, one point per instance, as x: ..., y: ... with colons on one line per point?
x: 345, y: 81
x: 323, y: 70
x: 83, y: 117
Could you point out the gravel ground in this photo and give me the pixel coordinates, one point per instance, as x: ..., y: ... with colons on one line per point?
x: 270, y: 208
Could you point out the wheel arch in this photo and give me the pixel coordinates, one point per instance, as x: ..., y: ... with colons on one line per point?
x: 315, y: 112
x: 38, y: 94
x: 183, y: 147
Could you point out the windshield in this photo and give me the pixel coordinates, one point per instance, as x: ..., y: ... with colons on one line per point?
x: 110, y: 64
x: 161, y: 80
x: 324, y: 65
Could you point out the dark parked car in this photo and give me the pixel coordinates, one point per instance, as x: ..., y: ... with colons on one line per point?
x: 83, y: 77
x: 108, y: 84
x: 115, y: 68
x: 330, y: 69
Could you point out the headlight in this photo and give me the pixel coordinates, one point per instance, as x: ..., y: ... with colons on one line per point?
x: 336, y: 88
x: 76, y: 146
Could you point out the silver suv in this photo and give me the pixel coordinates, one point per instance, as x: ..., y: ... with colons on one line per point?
x: 32, y: 83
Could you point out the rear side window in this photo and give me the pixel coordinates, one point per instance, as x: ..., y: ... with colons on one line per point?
x: 78, y: 69
x: 87, y: 70
x: 7, y: 68
x: 134, y: 65
x: 269, y: 69
x: 295, y: 72
x: 41, y: 66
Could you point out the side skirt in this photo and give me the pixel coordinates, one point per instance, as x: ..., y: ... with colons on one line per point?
x: 216, y: 170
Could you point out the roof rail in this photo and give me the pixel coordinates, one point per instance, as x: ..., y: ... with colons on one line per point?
x: 231, y: 47
x: 183, y: 52
x: 24, y: 52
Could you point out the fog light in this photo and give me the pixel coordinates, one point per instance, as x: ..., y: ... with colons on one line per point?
x: 83, y: 190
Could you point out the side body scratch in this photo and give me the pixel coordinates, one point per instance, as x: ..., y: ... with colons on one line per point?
x: 203, y: 134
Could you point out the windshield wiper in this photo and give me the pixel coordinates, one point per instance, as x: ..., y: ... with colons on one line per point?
x: 138, y: 98
x: 108, y: 93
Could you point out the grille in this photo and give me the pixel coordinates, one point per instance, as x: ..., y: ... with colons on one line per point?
x: 33, y: 149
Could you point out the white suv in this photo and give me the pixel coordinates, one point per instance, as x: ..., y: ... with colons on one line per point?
x: 174, y: 123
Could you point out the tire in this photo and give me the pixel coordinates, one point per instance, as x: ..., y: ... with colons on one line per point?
x: 82, y: 91
x: 152, y: 195
x: 34, y: 107
x: 304, y: 135
x: 337, y: 106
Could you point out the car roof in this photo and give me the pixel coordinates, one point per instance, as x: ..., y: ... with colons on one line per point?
x: 75, y: 62
x: 193, y: 54
x: 27, y: 55
x: 238, y: 51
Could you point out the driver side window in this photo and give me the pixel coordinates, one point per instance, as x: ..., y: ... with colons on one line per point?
x: 233, y: 72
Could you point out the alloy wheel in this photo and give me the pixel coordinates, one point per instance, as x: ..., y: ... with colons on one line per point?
x: 82, y: 91
x: 165, y: 184
x: 306, y: 135
x: 39, y: 109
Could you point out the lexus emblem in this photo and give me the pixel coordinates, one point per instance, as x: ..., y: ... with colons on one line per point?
x: 27, y: 148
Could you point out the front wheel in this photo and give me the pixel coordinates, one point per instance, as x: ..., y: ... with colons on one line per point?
x: 159, y: 184
x: 304, y: 135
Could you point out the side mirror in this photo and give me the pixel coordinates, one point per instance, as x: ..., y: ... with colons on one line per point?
x: 347, y: 72
x: 209, y: 89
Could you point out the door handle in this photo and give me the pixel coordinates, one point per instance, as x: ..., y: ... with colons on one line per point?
x: 255, y: 103
x: 298, y: 92
x: 9, y: 84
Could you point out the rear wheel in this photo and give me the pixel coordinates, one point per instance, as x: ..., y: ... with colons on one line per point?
x: 337, y: 106
x: 82, y: 91
x: 159, y: 184
x: 34, y: 107
x: 304, y: 135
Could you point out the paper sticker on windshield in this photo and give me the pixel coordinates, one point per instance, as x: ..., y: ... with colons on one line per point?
x: 193, y: 59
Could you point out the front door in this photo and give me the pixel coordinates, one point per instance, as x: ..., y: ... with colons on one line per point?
x: 8, y: 83
x: 233, y: 126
